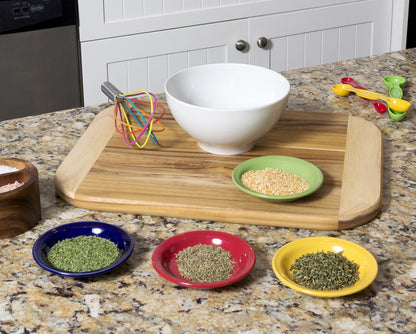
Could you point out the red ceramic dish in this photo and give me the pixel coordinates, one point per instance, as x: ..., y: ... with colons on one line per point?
x: 241, y: 253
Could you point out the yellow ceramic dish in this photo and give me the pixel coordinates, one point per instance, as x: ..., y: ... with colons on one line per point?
x: 286, y: 256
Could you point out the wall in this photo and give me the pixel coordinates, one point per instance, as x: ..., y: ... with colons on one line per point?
x: 411, y: 26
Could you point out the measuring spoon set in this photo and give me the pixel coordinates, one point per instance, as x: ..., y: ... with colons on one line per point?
x: 396, y: 107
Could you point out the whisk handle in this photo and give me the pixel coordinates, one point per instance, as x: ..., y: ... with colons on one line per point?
x: 110, y: 90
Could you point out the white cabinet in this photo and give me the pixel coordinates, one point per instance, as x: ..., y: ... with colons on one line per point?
x: 138, y: 44
x: 145, y: 61
x: 321, y: 35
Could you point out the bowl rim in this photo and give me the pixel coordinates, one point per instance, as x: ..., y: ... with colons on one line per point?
x: 241, y: 168
x: 281, y: 258
x: 195, y: 238
x: 237, y: 109
x: 25, y: 170
x: 37, y: 251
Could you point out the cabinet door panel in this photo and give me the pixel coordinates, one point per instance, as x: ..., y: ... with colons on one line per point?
x: 136, y: 72
x: 152, y: 7
x: 113, y: 18
x: 157, y: 74
x: 198, y: 57
x: 330, y: 41
x: 322, y: 35
x: 145, y: 61
x: 117, y: 71
x: 296, y: 48
x: 312, y: 39
x: 177, y: 61
x: 171, y: 6
x: 363, y: 42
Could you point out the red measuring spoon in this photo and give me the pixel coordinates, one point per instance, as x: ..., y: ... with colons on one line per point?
x: 380, y: 107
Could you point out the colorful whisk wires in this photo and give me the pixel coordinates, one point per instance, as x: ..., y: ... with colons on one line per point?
x: 125, y: 110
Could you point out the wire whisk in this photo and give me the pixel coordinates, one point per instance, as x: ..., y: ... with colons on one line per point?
x: 132, y: 122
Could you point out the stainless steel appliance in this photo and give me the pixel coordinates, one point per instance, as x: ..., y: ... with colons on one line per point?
x: 39, y: 57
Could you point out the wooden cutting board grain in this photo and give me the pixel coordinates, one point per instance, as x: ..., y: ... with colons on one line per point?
x: 179, y: 179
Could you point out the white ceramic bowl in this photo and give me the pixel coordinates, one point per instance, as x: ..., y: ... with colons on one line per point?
x: 227, y: 107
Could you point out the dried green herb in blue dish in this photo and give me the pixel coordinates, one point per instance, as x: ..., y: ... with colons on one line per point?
x: 83, y: 254
x: 119, y: 252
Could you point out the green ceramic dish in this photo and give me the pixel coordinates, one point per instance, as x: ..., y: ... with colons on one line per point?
x: 302, y: 168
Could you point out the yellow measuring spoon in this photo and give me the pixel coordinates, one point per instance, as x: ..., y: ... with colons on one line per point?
x: 397, y: 105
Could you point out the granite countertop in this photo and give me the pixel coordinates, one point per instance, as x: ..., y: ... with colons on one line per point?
x: 134, y: 298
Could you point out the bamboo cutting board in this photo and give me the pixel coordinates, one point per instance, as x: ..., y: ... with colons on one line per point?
x: 179, y: 179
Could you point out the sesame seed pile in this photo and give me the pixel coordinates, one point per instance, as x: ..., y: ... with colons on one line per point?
x: 275, y: 182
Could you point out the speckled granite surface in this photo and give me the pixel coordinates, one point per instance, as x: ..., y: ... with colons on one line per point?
x: 133, y: 298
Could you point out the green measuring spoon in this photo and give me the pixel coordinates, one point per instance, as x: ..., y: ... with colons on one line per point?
x: 395, y: 104
x: 395, y: 84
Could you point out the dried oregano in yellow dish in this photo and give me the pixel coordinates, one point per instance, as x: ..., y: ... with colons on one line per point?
x: 324, y: 271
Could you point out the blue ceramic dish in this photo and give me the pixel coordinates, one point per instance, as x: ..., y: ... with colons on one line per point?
x: 88, y: 228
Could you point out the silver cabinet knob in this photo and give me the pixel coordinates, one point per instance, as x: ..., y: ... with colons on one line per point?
x: 241, y: 45
x: 262, y: 42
